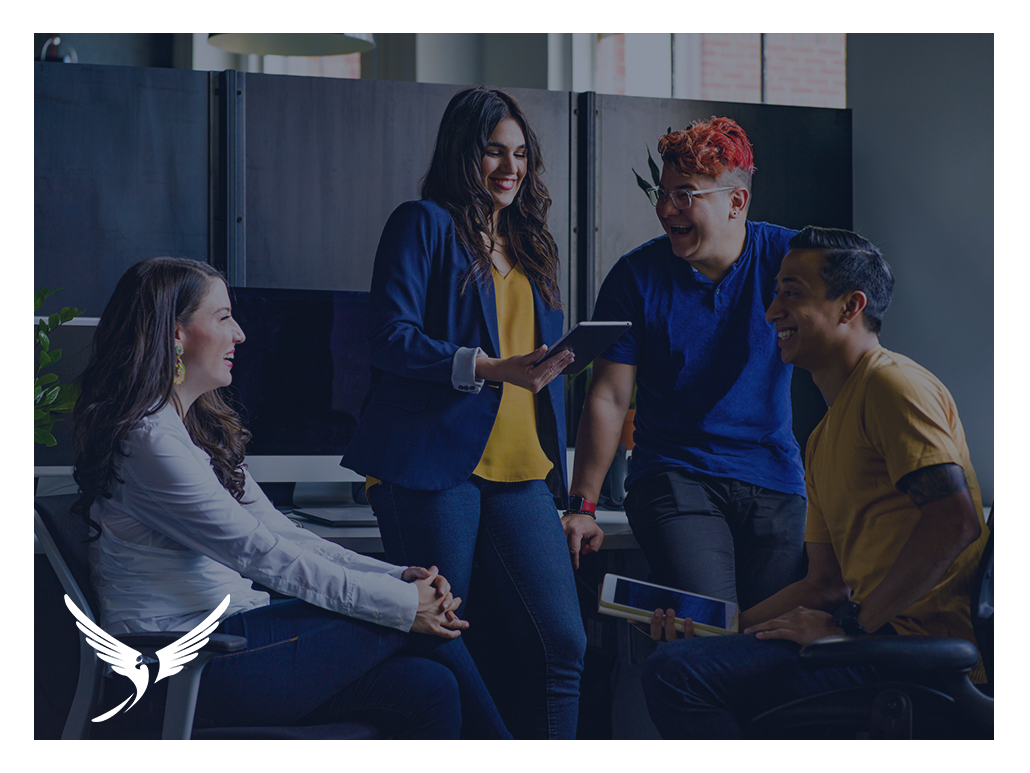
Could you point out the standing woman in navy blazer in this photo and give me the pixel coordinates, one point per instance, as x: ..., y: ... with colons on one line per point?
x: 463, y: 440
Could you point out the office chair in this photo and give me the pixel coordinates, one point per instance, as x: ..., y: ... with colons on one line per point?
x: 929, y: 692
x: 63, y: 538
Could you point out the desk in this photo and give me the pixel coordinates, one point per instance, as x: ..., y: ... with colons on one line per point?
x: 365, y: 539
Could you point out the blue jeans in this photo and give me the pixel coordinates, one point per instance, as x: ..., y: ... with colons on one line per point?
x: 710, y: 687
x: 719, y: 537
x: 514, y: 535
x: 304, y: 665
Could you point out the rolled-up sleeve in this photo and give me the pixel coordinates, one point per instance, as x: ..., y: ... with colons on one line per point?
x: 185, y: 502
x: 463, y: 370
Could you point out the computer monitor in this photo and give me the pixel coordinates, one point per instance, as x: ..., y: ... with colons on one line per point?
x: 300, y: 379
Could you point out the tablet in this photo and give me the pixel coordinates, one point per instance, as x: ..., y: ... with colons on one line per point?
x: 637, y: 600
x: 586, y: 340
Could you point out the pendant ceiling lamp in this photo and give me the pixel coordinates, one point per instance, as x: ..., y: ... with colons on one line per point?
x: 292, y: 44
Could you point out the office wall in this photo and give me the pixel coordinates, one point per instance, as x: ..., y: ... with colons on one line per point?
x: 923, y: 160
x: 121, y: 174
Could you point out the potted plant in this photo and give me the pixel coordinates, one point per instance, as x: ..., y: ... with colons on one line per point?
x: 51, y: 398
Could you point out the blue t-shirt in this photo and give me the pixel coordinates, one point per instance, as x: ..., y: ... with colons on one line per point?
x: 713, y: 395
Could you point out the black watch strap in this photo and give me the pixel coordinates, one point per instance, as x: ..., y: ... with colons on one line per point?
x: 846, y: 618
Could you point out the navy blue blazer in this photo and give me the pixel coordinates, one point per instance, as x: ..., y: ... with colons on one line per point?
x: 418, y: 430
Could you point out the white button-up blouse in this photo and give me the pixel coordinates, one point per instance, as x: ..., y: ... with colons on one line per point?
x: 174, y: 542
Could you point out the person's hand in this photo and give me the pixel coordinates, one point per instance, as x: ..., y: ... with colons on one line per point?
x: 583, y: 535
x: 800, y: 625
x: 663, y: 626
x: 521, y: 371
x: 436, y: 605
x: 413, y: 573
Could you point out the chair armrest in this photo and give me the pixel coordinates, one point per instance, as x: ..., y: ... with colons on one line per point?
x: 910, y: 653
x: 217, y: 642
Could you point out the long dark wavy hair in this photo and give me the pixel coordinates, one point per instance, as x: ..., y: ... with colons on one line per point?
x: 130, y: 374
x: 455, y: 182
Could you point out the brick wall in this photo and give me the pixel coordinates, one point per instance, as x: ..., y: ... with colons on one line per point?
x: 805, y: 69
x: 801, y: 69
x: 731, y: 67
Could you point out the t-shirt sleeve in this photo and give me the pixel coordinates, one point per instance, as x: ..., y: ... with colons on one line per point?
x: 620, y: 300
x: 909, y: 422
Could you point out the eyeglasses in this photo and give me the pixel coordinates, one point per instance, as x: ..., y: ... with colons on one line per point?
x: 682, y: 198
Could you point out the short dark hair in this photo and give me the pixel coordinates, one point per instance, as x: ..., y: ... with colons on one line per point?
x: 851, y: 262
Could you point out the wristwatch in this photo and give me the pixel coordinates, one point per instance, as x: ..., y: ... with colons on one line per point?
x: 846, y: 618
x: 581, y: 506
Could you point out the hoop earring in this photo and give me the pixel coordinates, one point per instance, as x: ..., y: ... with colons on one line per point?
x: 180, y: 369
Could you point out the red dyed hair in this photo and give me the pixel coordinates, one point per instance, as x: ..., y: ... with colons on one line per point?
x: 711, y: 148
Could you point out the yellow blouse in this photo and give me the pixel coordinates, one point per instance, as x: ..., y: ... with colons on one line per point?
x: 513, y: 451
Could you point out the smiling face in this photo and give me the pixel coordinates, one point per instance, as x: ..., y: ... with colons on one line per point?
x: 208, y: 342
x: 504, y: 163
x: 711, y: 230
x: 808, y: 324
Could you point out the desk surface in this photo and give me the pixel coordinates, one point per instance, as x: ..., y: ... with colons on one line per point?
x: 365, y: 539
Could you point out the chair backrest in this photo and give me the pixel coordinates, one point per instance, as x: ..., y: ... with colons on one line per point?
x: 982, y: 603
x: 64, y: 540
x: 68, y: 548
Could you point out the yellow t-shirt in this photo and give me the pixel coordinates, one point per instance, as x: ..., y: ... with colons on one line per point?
x: 892, y: 417
x: 513, y: 451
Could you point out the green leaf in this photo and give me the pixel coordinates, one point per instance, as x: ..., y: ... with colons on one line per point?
x: 40, y: 415
x: 44, y: 359
x: 44, y: 437
x: 46, y: 378
x: 42, y: 294
x: 67, y: 315
x: 43, y: 340
x: 54, y: 355
x: 42, y: 327
x: 641, y: 183
x: 54, y: 320
x: 51, y: 394
x: 656, y: 175
x: 66, y: 404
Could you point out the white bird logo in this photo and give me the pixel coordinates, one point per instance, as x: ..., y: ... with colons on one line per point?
x: 128, y: 662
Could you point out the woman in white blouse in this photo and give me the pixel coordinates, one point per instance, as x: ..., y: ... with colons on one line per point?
x: 180, y: 522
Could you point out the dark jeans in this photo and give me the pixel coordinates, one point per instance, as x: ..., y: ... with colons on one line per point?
x: 514, y: 535
x: 710, y: 687
x: 304, y: 665
x: 718, y: 537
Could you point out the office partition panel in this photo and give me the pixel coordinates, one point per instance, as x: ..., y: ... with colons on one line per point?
x: 802, y: 160
x: 121, y: 174
x: 328, y: 160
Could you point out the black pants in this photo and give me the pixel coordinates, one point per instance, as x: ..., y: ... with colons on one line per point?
x: 716, y: 536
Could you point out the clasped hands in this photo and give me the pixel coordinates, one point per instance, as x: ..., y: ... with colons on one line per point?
x: 801, y: 625
x: 436, y: 603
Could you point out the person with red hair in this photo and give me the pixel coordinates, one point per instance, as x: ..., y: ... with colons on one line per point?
x: 716, y: 492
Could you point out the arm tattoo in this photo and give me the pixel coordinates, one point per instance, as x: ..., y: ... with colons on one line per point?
x: 932, y: 483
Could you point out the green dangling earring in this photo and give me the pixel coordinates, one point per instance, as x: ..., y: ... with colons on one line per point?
x: 180, y: 369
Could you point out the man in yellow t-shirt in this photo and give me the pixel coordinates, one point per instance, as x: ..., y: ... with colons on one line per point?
x: 895, y: 528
